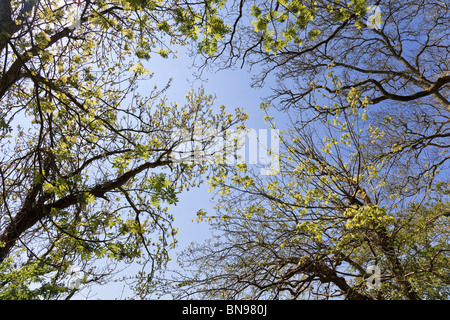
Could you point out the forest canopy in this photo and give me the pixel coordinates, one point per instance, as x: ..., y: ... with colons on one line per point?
x: 358, y: 208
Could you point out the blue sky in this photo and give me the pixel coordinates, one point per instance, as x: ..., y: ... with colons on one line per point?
x: 232, y: 89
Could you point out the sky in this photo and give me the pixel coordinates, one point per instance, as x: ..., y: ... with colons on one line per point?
x: 232, y: 89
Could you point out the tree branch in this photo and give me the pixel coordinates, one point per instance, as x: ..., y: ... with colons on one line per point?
x: 433, y: 89
x: 32, y: 211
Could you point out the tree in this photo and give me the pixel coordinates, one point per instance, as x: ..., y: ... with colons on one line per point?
x: 87, y: 162
x: 362, y: 180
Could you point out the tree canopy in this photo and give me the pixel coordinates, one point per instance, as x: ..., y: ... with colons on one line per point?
x: 358, y: 209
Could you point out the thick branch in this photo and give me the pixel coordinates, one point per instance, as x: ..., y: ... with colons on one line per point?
x: 32, y: 211
x: 395, y: 265
x: 327, y: 274
x: 433, y: 89
x: 14, y: 73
